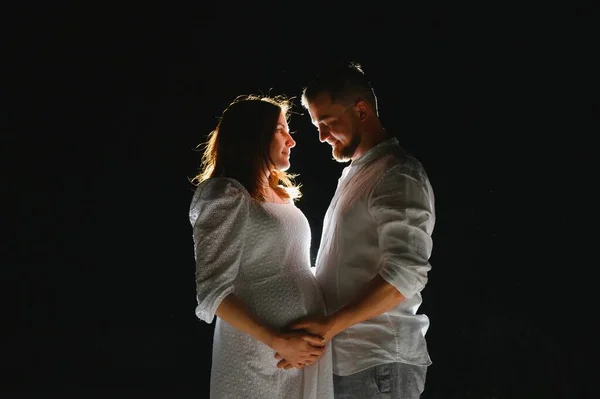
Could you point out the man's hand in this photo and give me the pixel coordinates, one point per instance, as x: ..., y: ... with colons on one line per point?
x: 316, y: 325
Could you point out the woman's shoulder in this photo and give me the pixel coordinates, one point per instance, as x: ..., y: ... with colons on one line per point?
x: 218, y: 194
x: 220, y: 188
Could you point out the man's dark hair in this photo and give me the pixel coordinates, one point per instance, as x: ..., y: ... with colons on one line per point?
x: 346, y: 83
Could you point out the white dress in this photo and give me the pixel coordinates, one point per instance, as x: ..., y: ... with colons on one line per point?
x: 260, y: 252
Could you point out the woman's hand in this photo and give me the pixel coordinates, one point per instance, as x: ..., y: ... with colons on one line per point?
x: 299, y: 348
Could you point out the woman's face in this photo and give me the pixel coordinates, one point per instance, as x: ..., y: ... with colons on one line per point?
x: 281, y: 145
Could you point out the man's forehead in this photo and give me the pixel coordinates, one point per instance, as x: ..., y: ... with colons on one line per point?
x: 321, y: 100
x: 319, y: 108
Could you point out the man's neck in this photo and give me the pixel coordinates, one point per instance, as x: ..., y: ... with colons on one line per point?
x: 369, y: 141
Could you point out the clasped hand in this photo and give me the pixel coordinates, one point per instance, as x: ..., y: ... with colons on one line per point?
x: 298, y: 348
x: 303, y: 344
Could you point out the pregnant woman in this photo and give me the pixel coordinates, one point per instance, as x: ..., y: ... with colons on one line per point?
x: 252, y: 252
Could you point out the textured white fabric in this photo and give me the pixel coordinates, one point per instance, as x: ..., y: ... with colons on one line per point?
x: 260, y: 252
x: 380, y: 220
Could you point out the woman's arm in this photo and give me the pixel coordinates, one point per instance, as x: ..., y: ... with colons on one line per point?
x: 298, y: 348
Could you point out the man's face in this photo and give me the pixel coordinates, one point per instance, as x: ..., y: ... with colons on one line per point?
x: 338, y: 125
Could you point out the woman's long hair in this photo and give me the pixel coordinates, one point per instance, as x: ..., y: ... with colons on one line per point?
x: 238, y: 147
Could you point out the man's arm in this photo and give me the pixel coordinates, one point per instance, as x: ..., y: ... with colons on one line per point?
x: 378, y: 297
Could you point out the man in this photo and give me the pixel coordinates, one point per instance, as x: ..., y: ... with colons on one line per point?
x: 373, y: 258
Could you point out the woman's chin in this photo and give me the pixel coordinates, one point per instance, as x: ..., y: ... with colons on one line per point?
x: 283, y: 166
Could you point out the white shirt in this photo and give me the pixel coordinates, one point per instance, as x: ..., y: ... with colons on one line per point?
x: 380, y: 220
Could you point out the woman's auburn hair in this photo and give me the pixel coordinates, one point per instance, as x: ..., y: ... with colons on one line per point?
x: 238, y: 147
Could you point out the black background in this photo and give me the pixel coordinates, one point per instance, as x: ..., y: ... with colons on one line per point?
x: 103, y: 107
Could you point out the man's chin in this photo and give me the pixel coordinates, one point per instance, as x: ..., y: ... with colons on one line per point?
x: 339, y: 155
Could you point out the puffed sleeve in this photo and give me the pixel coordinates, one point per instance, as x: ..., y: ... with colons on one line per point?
x: 402, y: 205
x: 218, y: 214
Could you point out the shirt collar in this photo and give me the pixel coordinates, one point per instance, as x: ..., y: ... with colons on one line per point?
x: 375, y: 151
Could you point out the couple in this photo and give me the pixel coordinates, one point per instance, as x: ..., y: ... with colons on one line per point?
x: 351, y: 330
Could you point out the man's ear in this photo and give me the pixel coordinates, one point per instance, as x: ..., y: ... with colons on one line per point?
x: 363, y: 109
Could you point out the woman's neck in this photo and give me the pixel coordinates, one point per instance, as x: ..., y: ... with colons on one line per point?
x: 272, y: 196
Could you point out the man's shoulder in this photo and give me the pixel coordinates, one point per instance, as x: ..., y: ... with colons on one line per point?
x: 398, y: 160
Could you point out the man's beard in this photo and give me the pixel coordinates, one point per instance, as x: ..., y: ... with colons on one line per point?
x: 345, y: 153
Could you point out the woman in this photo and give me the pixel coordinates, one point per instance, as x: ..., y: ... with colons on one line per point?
x: 252, y: 251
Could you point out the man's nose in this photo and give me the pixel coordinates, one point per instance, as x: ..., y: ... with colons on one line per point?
x: 323, y: 133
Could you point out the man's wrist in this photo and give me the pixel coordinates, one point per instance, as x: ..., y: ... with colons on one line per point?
x: 338, y: 322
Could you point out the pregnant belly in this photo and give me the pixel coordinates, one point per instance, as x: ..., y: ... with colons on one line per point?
x: 282, y: 299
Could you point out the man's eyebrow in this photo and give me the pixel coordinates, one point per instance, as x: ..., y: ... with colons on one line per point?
x: 322, y: 118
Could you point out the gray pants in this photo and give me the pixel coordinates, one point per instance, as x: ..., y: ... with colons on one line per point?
x: 392, y: 380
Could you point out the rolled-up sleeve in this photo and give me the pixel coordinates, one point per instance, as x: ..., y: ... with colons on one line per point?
x: 402, y: 206
x: 218, y: 214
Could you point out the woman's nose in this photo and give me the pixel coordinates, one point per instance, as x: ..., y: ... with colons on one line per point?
x: 291, y: 142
